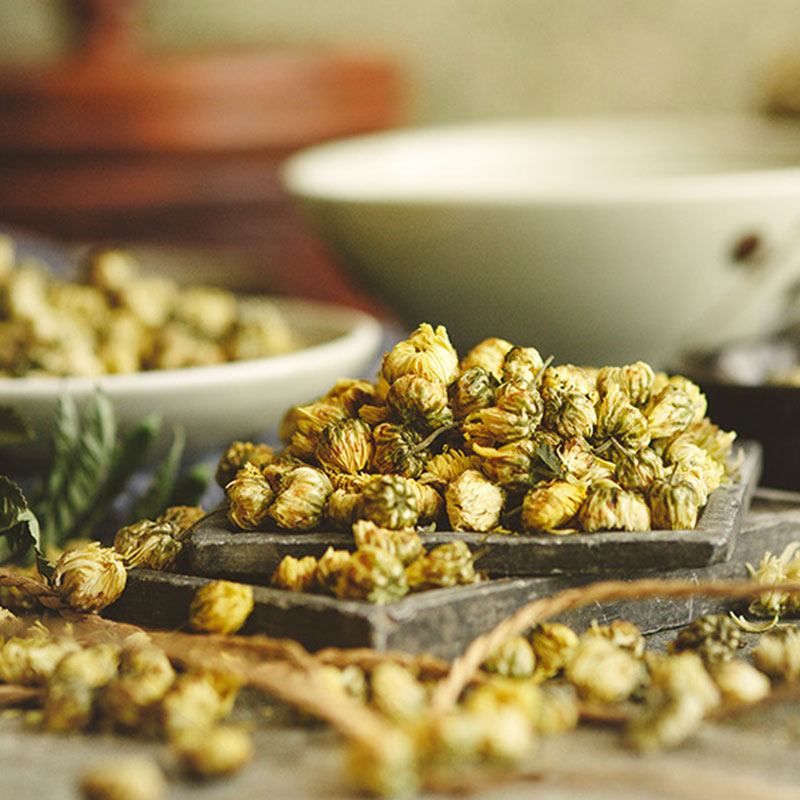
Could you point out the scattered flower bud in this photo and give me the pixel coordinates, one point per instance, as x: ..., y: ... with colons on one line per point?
x: 740, y: 681
x: 397, y: 450
x: 514, y: 658
x: 553, y: 643
x: 295, y: 574
x: 600, y: 670
x: 329, y: 567
x: 550, y: 506
x: 405, y: 543
x: 773, y: 570
x: 89, y: 578
x: 621, y: 633
x: 419, y: 403
x: 374, y: 575
x: 609, y: 507
x: 427, y: 353
x: 220, y: 607
x: 778, y: 653
x: 390, y: 502
x: 236, y: 456
x: 345, y: 446
x: 221, y: 750
x: 473, y: 502
x: 449, y: 564
x: 300, y: 503
x: 129, y: 778
x: 396, y: 692
x: 152, y: 545
x: 249, y: 496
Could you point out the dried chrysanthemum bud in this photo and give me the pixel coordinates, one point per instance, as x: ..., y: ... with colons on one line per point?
x: 600, y: 670
x: 511, y: 465
x: 636, y: 380
x: 576, y: 416
x: 619, y: 419
x: 295, y: 574
x: 638, y: 469
x: 430, y: 503
x: 673, y: 504
x: 129, y: 778
x: 90, y: 577
x: 390, y: 502
x: 221, y: 607
x: 549, y: 506
x: 343, y: 508
x: 553, y: 643
x: 419, y: 403
x: 473, y: 502
x: 374, y: 414
x: 329, y: 566
x: 449, y: 564
x: 447, y: 466
x: 405, y: 543
x: 717, y: 443
x: 577, y: 458
x: 345, y: 446
x: 622, y: 634
x: 520, y: 398
x: 350, y: 680
x: 522, y: 364
x: 279, y: 467
x: 397, y: 450
x: 771, y: 571
x: 153, y: 545
x: 679, y: 695
x: 609, y: 507
x: 145, y: 674
x: 221, y: 750
x: 778, y: 653
x: 740, y: 681
x: 427, y: 353
x: 182, y: 516
x: 352, y: 393
x: 193, y: 702
x: 489, y: 354
x: 558, y: 383
x: 249, y: 496
x: 384, y: 766
x: 300, y: 503
x: 694, y: 465
x: 396, y: 692
x: 498, y: 692
x: 514, y: 658
x: 494, y: 426
x: 31, y: 659
x: 559, y: 711
x: 236, y: 456
x: 372, y: 574
x: 70, y: 693
x: 471, y: 391
x: 669, y: 411
x: 309, y: 422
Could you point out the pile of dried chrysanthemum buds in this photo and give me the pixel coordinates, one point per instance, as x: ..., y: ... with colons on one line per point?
x: 498, y: 441
x: 129, y: 687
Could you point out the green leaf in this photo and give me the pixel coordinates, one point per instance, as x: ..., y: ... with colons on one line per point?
x: 14, y: 427
x: 156, y: 497
x: 17, y: 521
x: 190, y: 486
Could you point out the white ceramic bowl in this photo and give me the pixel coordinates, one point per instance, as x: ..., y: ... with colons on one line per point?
x: 599, y: 240
x: 218, y: 404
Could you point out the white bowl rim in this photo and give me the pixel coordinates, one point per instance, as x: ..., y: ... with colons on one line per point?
x: 351, y: 330
x: 324, y: 173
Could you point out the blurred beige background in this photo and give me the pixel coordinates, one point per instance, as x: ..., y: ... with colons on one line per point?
x: 476, y: 59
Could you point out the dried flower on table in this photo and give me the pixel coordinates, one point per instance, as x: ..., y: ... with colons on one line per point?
x: 449, y: 564
x: 371, y: 574
x: 345, y: 446
x: 182, y: 516
x: 153, y: 545
x: 221, y: 607
x: 385, y: 766
x: 551, y: 505
x: 773, y: 570
x: 295, y: 574
x: 300, y: 502
x: 638, y: 470
x: 600, y: 670
x: 427, y: 353
x: 405, y: 543
x: 236, y: 456
x: 192, y: 702
x: 31, y: 658
x: 559, y: 711
x: 221, y: 750
x: 514, y: 658
x: 349, y: 680
x: 740, y: 681
x: 778, y: 653
x: 89, y: 578
x: 609, y: 507
x: 396, y: 693
x: 622, y: 634
x: 129, y: 778
x: 473, y: 502
x: 249, y: 496
x: 390, y: 502
x: 553, y: 644
x: 309, y: 423
x: 144, y: 675
x: 498, y: 691
x: 714, y: 637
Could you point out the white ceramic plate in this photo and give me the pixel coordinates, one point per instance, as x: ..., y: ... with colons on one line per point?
x: 219, y: 404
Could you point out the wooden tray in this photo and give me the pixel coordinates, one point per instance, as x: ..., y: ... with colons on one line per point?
x: 443, y: 621
x: 216, y: 550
